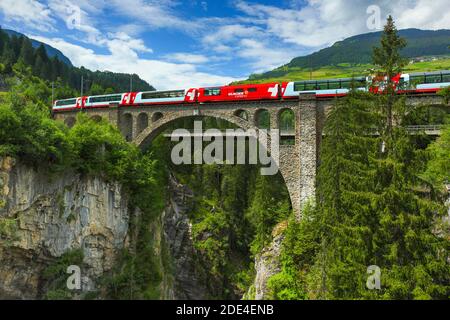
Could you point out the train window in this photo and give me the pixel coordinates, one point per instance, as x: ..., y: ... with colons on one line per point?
x: 434, y: 78
x: 322, y: 85
x: 67, y: 102
x: 311, y: 85
x: 415, y: 79
x: 360, y: 83
x: 346, y: 84
x: 115, y: 98
x: 238, y: 90
x: 252, y: 89
x: 334, y: 84
x: 163, y: 94
x: 212, y: 92
x: 299, y: 86
x: 445, y: 76
x: 177, y: 94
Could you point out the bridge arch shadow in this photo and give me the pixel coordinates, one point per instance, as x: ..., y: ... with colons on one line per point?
x: 262, y: 118
x: 145, y: 138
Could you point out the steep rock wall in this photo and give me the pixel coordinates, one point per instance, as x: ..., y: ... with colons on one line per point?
x: 53, y: 215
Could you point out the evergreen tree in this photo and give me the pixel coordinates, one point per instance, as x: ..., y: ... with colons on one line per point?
x: 390, y: 63
x: 373, y: 207
x: 27, y: 52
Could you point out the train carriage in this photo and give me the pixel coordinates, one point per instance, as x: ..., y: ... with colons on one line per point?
x: 105, y: 101
x: 323, y: 88
x: 268, y: 91
x: 69, y: 104
x: 427, y: 82
x: 165, y: 97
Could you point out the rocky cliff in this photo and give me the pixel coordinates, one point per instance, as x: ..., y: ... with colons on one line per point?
x: 189, y: 279
x: 267, y: 264
x: 46, y: 216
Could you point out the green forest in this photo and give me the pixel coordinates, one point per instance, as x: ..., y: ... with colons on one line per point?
x: 380, y: 199
x: 66, y: 78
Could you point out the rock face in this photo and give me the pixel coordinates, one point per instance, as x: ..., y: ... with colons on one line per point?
x: 188, y: 277
x: 54, y: 215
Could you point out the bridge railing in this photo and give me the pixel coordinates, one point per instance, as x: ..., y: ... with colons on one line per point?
x: 433, y: 129
x: 424, y: 128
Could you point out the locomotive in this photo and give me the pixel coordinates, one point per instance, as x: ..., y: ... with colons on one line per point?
x: 428, y: 82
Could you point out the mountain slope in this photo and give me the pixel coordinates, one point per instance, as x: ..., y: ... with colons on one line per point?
x: 50, y: 64
x: 51, y: 51
x: 357, y: 50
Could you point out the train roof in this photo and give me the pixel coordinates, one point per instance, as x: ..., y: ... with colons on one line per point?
x: 431, y: 73
x: 331, y: 80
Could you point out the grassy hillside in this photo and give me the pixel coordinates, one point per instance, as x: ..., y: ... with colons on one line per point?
x: 353, y: 56
x: 344, y: 70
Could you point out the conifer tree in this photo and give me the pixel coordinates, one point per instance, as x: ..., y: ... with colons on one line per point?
x: 390, y: 63
x: 27, y: 52
x: 372, y: 206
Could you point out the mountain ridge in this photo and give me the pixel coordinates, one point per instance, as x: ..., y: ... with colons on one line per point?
x: 357, y: 50
x: 50, y: 64
x: 51, y: 51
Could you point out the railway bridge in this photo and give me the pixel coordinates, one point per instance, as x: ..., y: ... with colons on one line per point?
x: 297, y: 161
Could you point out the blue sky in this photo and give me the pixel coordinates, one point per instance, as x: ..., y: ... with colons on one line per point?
x: 177, y: 44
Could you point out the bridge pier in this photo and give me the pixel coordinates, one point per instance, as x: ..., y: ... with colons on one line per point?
x: 298, y: 162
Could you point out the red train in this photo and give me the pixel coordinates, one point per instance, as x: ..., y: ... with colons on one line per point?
x: 414, y: 83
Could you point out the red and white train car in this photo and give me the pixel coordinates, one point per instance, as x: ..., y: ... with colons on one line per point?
x: 410, y: 83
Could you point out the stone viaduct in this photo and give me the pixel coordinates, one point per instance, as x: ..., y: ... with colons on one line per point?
x: 297, y: 161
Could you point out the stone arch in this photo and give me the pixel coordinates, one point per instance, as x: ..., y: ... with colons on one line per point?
x: 144, y: 139
x: 142, y: 122
x: 70, y: 121
x: 242, y: 114
x: 286, y: 121
x: 262, y: 119
x: 155, y: 128
x: 157, y: 116
x: 126, y: 126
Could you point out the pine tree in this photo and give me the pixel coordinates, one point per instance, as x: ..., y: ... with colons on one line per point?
x: 27, y: 52
x: 345, y: 218
x: 373, y: 207
x: 390, y: 63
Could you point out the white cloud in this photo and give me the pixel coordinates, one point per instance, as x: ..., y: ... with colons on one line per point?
x: 154, y: 13
x: 29, y: 12
x: 162, y: 75
x: 424, y: 14
x: 187, y: 58
x: 262, y: 57
x: 321, y: 22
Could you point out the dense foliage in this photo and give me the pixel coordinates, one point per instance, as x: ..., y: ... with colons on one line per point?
x: 91, y: 148
x: 374, y: 206
x: 66, y: 77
